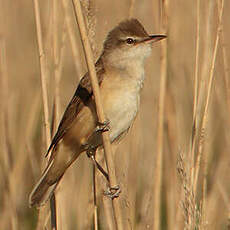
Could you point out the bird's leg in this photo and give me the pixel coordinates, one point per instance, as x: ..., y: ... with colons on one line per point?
x: 112, y: 192
x: 92, y: 144
x: 91, y: 154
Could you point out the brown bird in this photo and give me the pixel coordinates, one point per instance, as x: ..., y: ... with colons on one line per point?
x: 120, y: 73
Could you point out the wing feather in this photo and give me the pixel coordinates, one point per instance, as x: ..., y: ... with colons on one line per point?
x: 80, y: 98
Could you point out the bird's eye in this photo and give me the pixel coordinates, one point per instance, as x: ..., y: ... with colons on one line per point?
x: 130, y: 41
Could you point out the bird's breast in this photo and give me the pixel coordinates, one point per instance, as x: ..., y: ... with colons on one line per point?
x: 120, y: 97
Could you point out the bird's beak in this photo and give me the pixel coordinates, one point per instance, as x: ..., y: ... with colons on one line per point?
x: 154, y: 38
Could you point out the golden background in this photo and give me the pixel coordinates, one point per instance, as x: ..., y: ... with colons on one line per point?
x: 22, y: 134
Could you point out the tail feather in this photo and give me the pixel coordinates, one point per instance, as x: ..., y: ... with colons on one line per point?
x: 51, y: 176
x: 43, y: 190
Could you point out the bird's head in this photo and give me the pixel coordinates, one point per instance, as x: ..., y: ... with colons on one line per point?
x: 128, y: 42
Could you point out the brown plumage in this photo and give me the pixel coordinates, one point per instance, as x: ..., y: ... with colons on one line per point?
x: 58, y: 164
x: 120, y: 73
x: 80, y: 98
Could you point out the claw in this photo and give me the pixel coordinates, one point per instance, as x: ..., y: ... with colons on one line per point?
x: 113, y: 192
x: 102, y: 126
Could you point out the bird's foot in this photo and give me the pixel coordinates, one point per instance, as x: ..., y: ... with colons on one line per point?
x: 113, y: 192
x: 90, y: 150
x: 102, y: 126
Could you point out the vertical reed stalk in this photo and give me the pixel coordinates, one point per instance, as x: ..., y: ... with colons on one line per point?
x: 4, y: 106
x: 207, y: 101
x: 90, y: 21
x: 56, y: 114
x: 99, y: 108
x: 194, y: 135
x: 95, y: 199
x: 66, y: 4
x: 131, y: 8
x: 203, y: 127
x: 225, y: 59
x: 44, y: 72
x: 8, y: 157
x: 195, y: 97
x: 58, y: 68
x: 56, y: 60
x: 160, y: 131
x: 44, y: 77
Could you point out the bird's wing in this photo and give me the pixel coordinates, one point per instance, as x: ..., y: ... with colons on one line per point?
x: 81, y: 97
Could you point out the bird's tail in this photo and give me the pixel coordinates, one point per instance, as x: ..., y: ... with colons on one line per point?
x: 43, y: 190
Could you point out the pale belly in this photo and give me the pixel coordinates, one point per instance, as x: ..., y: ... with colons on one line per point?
x: 120, y: 108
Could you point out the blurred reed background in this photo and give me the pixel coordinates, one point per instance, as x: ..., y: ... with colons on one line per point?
x: 194, y: 186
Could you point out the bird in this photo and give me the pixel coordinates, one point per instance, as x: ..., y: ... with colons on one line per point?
x: 120, y: 73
